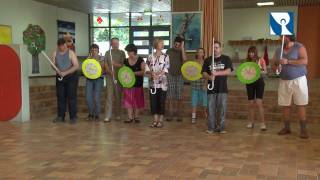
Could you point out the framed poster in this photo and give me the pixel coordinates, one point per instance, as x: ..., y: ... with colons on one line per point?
x: 67, y: 30
x: 5, y: 34
x: 188, y: 25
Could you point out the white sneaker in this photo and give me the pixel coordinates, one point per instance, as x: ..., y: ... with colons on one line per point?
x: 250, y: 125
x: 263, y: 127
x: 193, y: 120
x: 223, y: 132
x: 209, y: 131
x: 106, y: 120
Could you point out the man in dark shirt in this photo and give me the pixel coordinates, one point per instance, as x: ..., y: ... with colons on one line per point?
x: 217, y: 97
x: 177, y: 57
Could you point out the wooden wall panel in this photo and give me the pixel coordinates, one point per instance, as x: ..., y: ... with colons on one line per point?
x: 308, y: 33
x: 185, y: 5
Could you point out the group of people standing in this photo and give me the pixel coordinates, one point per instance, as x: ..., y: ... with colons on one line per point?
x: 166, y: 83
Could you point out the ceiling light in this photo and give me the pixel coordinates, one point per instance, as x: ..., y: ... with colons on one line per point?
x: 265, y: 3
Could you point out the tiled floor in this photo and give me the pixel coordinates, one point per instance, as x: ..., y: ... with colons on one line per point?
x: 89, y: 150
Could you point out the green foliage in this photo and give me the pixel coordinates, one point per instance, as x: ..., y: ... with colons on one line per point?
x: 102, y: 34
x: 34, y: 38
x: 122, y: 34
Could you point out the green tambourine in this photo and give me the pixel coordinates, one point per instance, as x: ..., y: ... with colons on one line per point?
x: 91, y: 68
x: 126, y: 77
x: 191, y: 70
x: 248, y: 72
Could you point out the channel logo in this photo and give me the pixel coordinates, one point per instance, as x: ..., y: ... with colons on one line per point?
x: 281, y: 23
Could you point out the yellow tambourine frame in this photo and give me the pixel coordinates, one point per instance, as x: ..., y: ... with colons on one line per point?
x: 91, y: 69
x: 191, y: 70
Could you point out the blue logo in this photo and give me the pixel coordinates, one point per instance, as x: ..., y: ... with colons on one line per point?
x: 281, y: 23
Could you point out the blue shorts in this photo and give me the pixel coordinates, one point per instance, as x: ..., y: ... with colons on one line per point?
x: 199, y: 97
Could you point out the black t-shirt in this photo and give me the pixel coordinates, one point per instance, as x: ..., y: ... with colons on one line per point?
x: 220, y: 82
x: 136, y: 67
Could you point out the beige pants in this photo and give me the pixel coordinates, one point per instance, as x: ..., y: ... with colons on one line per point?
x: 114, y: 91
x: 295, y: 90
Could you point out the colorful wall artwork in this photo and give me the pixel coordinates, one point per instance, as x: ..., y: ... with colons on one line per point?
x: 35, y: 39
x: 5, y: 34
x: 187, y: 25
x: 67, y: 30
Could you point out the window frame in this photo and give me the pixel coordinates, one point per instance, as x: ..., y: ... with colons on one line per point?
x: 109, y: 27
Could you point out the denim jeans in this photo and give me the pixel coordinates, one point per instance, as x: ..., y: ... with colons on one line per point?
x: 67, y: 92
x: 93, y: 94
x: 217, y: 107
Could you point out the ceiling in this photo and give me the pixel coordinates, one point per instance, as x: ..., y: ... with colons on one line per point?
x: 103, y: 6
x: 253, y: 3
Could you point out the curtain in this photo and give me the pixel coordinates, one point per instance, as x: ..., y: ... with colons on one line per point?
x: 212, y: 20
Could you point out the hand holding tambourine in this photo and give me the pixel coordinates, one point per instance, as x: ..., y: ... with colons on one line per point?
x: 248, y: 72
x: 126, y: 77
x: 91, y: 69
x: 191, y: 70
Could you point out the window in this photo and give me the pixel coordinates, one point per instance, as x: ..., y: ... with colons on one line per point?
x: 100, y: 20
x: 141, y: 34
x: 139, y: 19
x: 136, y: 27
x: 161, y: 18
x: 101, y: 38
x: 161, y: 33
x: 119, y: 19
x: 122, y: 34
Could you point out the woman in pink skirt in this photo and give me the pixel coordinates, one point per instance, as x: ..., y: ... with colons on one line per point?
x: 133, y: 98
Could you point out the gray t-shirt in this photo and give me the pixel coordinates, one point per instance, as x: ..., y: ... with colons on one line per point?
x: 63, y: 61
x: 176, y: 61
x: 288, y: 71
x: 117, y: 56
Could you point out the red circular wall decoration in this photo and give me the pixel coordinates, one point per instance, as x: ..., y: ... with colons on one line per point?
x: 10, y: 84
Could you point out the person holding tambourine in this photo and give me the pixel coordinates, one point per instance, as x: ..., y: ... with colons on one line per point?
x: 133, y: 98
x: 255, y: 90
x: 158, y: 69
x: 198, y: 89
x: 94, y: 86
x: 114, y: 58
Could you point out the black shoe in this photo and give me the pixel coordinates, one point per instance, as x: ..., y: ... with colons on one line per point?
x: 90, y: 117
x: 96, y: 118
x: 136, y: 120
x: 128, y: 121
x: 73, y: 121
x: 179, y: 119
x: 58, y: 119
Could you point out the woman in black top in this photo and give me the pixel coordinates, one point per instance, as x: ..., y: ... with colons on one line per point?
x: 133, y: 99
x: 255, y: 90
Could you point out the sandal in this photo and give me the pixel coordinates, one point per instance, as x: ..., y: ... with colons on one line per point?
x: 159, y: 125
x: 154, y: 124
x: 206, y: 113
x: 136, y: 120
x: 128, y: 121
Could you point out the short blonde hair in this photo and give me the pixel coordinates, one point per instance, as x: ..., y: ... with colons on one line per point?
x: 156, y: 42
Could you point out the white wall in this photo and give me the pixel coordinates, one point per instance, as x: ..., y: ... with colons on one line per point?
x: 20, y: 13
x: 240, y: 24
